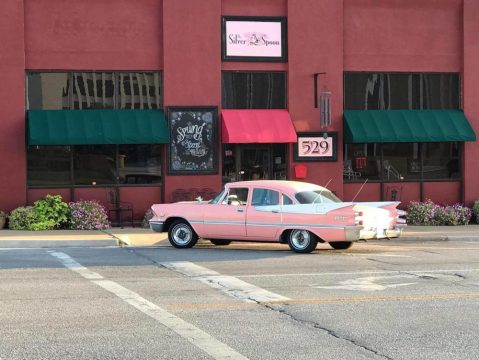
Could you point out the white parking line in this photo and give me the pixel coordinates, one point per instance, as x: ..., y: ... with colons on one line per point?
x: 194, y: 335
x: 230, y: 285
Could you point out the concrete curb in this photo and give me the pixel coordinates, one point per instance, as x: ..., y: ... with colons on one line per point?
x: 42, y: 243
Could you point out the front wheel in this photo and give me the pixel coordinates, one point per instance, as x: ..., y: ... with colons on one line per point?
x: 302, y: 241
x: 181, y: 235
x: 341, y: 245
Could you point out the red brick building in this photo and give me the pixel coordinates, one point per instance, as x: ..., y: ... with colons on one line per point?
x: 396, y: 73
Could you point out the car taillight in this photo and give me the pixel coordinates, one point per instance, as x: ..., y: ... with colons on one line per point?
x: 401, y: 217
x: 358, y: 218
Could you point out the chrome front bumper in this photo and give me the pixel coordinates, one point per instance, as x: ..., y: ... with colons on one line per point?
x: 156, y: 226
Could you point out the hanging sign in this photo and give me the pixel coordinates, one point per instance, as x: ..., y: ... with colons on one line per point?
x: 254, y: 38
x: 318, y: 146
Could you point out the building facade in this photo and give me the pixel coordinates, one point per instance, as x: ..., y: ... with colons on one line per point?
x: 164, y: 100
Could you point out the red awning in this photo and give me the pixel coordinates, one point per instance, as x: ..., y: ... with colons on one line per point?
x: 257, y: 126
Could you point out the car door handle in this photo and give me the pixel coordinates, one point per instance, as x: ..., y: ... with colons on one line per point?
x: 240, y: 210
x: 275, y: 211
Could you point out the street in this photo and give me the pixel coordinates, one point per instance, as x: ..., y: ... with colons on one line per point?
x: 377, y: 300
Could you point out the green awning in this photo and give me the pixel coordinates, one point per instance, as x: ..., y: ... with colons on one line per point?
x: 94, y: 127
x: 383, y: 126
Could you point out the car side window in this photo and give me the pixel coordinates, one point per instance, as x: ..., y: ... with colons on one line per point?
x: 262, y: 197
x: 287, y: 200
x: 236, y: 196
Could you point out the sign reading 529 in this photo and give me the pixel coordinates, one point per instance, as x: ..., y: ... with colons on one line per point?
x: 316, y: 147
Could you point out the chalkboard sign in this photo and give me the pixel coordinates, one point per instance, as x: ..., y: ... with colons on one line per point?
x: 193, y: 134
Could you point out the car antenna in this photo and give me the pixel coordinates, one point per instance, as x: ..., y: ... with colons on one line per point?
x: 355, y: 196
x: 324, y: 187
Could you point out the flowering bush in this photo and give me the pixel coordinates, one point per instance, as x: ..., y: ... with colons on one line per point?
x: 429, y: 213
x: 421, y: 213
x: 475, y: 210
x: 88, y: 215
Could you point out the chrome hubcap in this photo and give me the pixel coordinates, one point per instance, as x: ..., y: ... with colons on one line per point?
x: 182, y: 234
x: 300, y: 239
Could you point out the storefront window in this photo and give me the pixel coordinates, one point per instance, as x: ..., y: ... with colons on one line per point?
x: 402, y: 161
x: 253, y: 90
x: 401, y: 91
x: 254, y: 162
x: 441, y: 161
x: 139, y: 164
x: 139, y: 91
x: 48, y: 165
x: 47, y: 91
x: 94, y: 165
x: 93, y: 90
x: 361, y: 162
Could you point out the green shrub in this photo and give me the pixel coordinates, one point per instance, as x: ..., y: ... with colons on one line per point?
x: 475, y: 210
x: 88, y: 215
x: 52, y: 212
x: 22, y: 218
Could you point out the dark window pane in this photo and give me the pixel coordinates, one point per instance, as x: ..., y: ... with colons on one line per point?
x: 94, y: 165
x: 139, y: 90
x: 93, y: 90
x: 254, y: 90
x: 442, y: 160
x: 47, y: 91
x: 139, y: 164
x: 400, y: 161
x: 396, y: 91
x: 361, y: 162
x: 48, y: 165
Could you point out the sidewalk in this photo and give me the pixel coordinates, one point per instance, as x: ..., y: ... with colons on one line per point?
x: 146, y: 237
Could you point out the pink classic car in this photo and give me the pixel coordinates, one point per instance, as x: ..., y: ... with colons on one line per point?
x: 297, y: 213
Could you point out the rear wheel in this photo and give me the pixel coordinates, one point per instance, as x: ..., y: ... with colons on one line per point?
x: 341, y: 245
x: 181, y: 235
x: 302, y: 241
x: 220, y: 242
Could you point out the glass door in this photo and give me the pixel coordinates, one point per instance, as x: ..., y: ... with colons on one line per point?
x: 254, y: 162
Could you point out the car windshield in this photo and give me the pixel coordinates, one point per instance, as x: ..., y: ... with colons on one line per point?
x: 316, y: 197
x: 218, y: 197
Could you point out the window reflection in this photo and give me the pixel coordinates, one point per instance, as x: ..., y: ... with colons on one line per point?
x: 94, y: 165
x: 253, y: 90
x: 47, y: 91
x: 139, y: 91
x: 48, y: 165
x: 441, y: 161
x: 93, y: 90
x: 396, y: 91
x: 361, y: 161
x: 402, y: 161
x: 139, y: 164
